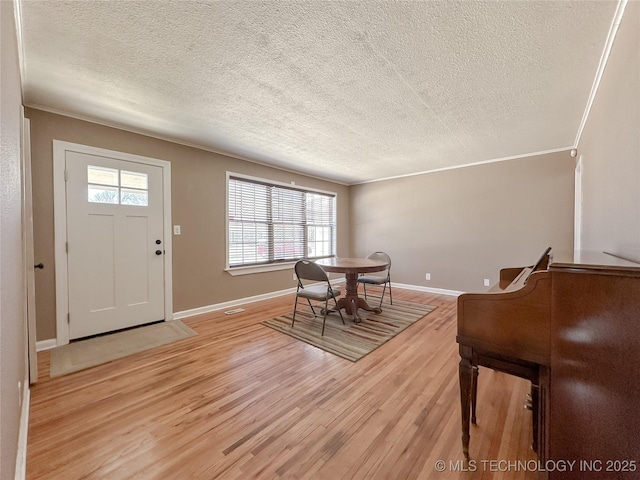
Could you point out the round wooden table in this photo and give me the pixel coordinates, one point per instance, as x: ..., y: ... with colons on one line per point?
x: 352, y: 267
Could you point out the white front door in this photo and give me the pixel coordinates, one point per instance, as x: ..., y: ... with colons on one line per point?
x: 115, y: 243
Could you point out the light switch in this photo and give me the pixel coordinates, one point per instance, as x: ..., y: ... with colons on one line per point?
x: 176, y: 229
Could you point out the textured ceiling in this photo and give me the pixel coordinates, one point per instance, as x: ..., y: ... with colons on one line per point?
x: 347, y: 90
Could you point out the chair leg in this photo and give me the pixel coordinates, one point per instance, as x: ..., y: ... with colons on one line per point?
x: 311, y: 307
x: 384, y: 289
x: 390, y: 296
x: 295, y: 306
x: 324, y: 319
x: 364, y: 286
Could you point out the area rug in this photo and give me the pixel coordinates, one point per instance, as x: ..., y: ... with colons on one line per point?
x: 353, y: 340
x: 94, y: 351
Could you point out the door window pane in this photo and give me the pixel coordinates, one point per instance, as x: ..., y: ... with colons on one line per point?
x: 102, y: 175
x: 134, y: 180
x: 110, y: 185
x: 103, y: 194
x: 129, y: 196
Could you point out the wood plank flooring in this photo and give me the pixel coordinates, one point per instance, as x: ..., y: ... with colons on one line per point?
x: 242, y: 401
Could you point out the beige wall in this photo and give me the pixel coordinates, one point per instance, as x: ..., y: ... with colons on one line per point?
x: 13, y: 339
x: 460, y: 225
x: 610, y: 149
x: 463, y: 225
x: 198, y: 205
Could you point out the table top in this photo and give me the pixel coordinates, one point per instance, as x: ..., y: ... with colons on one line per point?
x: 351, y: 265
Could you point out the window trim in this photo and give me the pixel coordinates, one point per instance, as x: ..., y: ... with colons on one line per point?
x: 261, y: 268
x: 264, y: 267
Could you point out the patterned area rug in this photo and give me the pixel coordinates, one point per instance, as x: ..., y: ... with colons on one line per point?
x: 353, y: 340
x: 94, y: 351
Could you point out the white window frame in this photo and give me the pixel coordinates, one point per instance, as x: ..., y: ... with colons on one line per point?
x: 268, y: 267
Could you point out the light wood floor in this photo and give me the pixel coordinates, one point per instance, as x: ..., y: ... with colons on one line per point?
x: 242, y: 401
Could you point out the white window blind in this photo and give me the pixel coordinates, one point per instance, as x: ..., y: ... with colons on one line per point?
x: 269, y: 223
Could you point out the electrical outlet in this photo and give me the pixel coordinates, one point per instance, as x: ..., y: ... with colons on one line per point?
x: 486, y: 282
x: 294, y: 277
x: 176, y: 230
x: 427, y: 276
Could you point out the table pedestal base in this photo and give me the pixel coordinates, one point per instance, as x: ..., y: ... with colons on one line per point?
x: 351, y: 302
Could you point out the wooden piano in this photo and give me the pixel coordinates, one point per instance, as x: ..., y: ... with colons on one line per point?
x: 571, y: 325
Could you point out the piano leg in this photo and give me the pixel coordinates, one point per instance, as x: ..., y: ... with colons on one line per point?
x: 465, y: 373
x: 535, y: 404
x: 474, y: 393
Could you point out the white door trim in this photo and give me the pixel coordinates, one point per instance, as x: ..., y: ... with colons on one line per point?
x: 577, y: 207
x: 60, y: 227
x: 27, y: 236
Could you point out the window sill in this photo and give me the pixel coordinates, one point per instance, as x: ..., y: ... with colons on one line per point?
x: 259, y: 268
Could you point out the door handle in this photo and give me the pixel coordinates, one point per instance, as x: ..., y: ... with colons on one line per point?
x: 40, y: 266
x: 158, y: 252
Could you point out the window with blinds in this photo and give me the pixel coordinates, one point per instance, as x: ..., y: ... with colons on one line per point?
x: 272, y: 223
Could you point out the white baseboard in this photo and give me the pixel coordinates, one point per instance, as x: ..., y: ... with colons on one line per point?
x: 46, y: 344
x: 420, y: 288
x: 21, y: 455
x: 239, y: 301
x: 266, y: 296
x: 230, y: 304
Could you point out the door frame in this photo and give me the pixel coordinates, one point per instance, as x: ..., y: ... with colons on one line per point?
x: 28, y: 248
x: 60, y: 149
x: 577, y: 207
